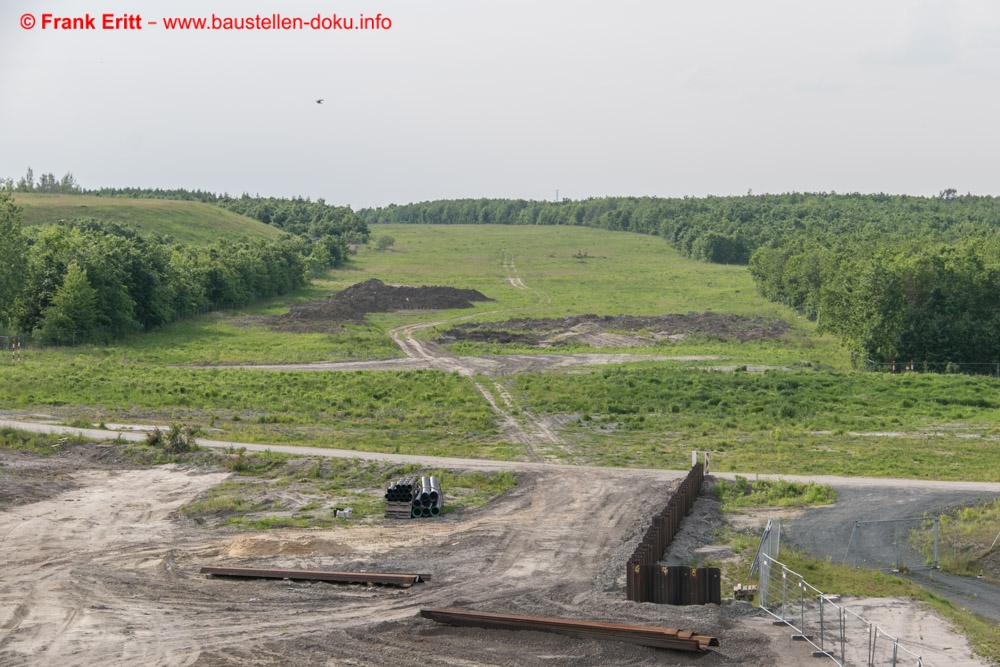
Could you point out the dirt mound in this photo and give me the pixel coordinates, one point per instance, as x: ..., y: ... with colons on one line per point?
x: 599, y: 330
x: 372, y: 296
x: 262, y: 546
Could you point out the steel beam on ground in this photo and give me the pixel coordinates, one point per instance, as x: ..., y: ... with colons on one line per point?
x: 384, y: 578
x: 681, y: 640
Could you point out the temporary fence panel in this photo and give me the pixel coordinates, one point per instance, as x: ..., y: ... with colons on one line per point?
x: 894, y: 545
x: 833, y: 631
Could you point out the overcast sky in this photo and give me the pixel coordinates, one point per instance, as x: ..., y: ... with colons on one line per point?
x: 512, y: 98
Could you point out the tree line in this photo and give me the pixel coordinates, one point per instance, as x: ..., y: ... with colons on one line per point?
x: 107, y: 280
x: 893, y: 276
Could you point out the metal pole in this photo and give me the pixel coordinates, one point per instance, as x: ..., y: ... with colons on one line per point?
x: 896, y: 526
x: 784, y: 586
x: 777, y: 540
x: 857, y: 545
x: 821, y: 624
x: 843, y: 622
x: 895, y: 647
x: 802, y: 606
x: 936, y: 521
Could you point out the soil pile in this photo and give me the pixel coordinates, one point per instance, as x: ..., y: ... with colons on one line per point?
x: 372, y: 296
x: 583, y: 329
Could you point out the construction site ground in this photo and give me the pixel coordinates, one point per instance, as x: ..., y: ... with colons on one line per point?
x: 100, y: 568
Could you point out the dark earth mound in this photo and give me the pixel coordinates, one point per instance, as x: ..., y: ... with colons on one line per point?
x: 372, y: 296
x: 552, y: 331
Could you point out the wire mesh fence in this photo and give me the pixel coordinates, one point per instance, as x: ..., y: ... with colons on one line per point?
x: 894, y: 545
x: 942, y: 367
x: 830, y: 628
x: 833, y: 631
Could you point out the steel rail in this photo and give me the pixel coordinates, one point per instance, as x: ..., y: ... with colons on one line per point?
x: 671, y: 638
x: 384, y: 578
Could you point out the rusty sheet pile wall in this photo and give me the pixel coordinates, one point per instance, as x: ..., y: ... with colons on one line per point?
x: 648, y: 581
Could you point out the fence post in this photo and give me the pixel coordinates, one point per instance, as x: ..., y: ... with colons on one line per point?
x: 821, y: 624
x: 896, y: 540
x: 936, y: 521
x: 802, y: 607
x: 843, y: 629
x: 784, y: 586
x: 776, y: 544
x: 857, y: 545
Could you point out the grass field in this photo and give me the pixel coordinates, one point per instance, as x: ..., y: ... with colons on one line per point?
x: 187, y: 222
x: 810, y: 414
x: 813, y: 416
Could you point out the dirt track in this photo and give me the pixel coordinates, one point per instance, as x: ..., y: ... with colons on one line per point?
x: 105, y: 572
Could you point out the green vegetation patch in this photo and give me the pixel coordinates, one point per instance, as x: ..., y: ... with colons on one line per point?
x: 968, y: 540
x: 305, y: 492
x: 186, y: 222
x: 772, y: 493
x: 39, y: 443
x: 419, y: 412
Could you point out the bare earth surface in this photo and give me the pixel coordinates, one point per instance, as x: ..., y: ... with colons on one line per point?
x: 104, y: 571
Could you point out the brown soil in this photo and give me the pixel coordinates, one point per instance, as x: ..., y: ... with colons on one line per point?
x: 616, y: 331
x: 372, y: 296
x: 103, y: 569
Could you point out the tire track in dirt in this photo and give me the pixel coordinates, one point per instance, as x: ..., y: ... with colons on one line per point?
x: 115, y: 521
x: 517, y: 423
x: 515, y: 281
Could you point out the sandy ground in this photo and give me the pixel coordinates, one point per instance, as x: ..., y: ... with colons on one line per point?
x: 106, y: 572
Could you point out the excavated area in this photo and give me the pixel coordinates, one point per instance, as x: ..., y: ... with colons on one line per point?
x: 351, y: 305
x: 101, y: 567
x: 615, y: 331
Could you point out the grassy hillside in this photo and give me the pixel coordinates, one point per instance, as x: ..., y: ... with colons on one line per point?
x: 811, y: 415
x: 186, y: 221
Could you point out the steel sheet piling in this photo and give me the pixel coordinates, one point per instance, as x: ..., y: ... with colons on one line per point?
x: 647, y: 581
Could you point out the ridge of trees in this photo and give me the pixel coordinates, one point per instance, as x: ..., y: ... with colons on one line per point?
x: 104, y: 281
x: 893, y: 276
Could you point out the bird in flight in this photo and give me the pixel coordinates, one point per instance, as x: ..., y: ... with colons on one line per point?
x: 319, y: 101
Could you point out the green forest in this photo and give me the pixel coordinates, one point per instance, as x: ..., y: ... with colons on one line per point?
x: 87, y: 280
x: 894, y: 277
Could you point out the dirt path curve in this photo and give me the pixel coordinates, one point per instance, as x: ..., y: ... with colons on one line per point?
x: 516, y: 421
